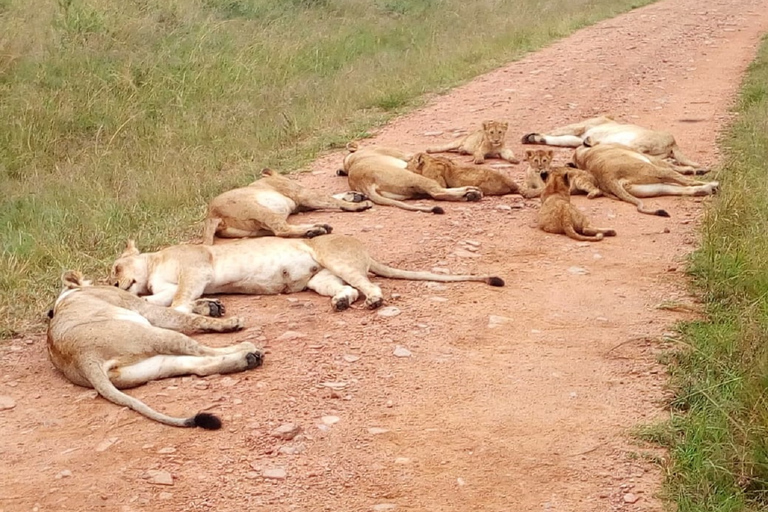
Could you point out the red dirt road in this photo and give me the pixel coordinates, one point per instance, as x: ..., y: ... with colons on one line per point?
x: 532, y: 414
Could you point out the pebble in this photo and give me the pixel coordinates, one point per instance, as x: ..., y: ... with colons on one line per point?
x: 472, y: 243
x: 351, y: 358
x: 631, y: 498
x: 402, y: 460
x: 381, y: 507
x: 274, y: 473
x: 496, y: 321
x: 286, y: 431
x: 401, y: 352
x: 432, y: 134
x: 389, y: 311
x: 440, y: 270
x: 438, y: 299
x: 159, y: 477
x: 290, y: 336
x: 6, y: 403
x: 330, y: 420
x: 292, y: 450
x: 165, y: 495
x: 503, y: 207
x: 334, y: 385
x: 63, y: 474
x: 463, y: 253
x: 377, y: 430
x: 436, y: 286
x: 167, y: 449
x: 105, y: 444
x: 460, y: 481
x: 577, y: 271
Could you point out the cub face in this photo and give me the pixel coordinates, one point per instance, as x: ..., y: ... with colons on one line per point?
x: 495, y: 132
x: 422, y: 163
x: 539, y: 159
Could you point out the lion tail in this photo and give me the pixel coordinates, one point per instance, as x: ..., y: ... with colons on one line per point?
x: 377, y: 198
x: 380, y: 269
x: 98, y: 378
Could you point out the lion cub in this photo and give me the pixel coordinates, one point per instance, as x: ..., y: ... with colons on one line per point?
x: 539, y: 161
x: 486, y: 142
x: 448, y: 173
x: 558, y: 215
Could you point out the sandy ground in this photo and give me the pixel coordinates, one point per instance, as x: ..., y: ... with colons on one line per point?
x: 533, y: 414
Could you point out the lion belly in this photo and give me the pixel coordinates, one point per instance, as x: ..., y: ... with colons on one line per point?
x: 275, y: 202
x: 262, y: 266
x: 612, y: 134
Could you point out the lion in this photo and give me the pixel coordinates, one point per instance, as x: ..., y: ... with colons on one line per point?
x: 557, y: 214
x: 481, y: 144
x: 333, y: 265
x: 448, y: 173
x: 625, y: 174
x: 539, y: 160
x: 380, y: 173
x: 108, y: 339
x: 605, y: 130
x: 262, y: 208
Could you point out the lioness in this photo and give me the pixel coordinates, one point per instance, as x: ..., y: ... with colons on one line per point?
x: 108, y: 339
x: 261, y: 209
x: 448, y: 173
x: 380, y: 173
x: 481, y: 144
x: 627, y: 175
x: 604, y: 130
x: 558, y: 215
x: 335, y: 266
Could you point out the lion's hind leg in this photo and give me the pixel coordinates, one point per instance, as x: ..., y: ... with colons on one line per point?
x: 451, y: 146
x: 317, y: 201
x: 329, y: 285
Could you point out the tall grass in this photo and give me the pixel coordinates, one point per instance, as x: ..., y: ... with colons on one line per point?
x: 718, y: 434
x: 123, y: 118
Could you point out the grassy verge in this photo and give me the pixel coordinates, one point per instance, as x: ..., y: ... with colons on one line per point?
x: 718, y: 433
x: 123, y: 118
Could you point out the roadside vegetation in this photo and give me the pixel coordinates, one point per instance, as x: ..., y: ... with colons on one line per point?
x: 121, y: 119
x: 718, y: 432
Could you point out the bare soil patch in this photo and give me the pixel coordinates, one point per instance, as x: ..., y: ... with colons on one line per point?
x: 532, y: 413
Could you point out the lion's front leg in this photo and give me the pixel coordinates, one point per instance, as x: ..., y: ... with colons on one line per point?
x: 314, y: 201
x: 508, y: 155
x: 329, y: 285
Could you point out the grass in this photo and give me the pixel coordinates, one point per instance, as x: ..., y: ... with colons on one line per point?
x: 718, y: 431
x: 122, y: 119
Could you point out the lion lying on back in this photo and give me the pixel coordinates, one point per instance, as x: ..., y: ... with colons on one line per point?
x: 332, y: 265
x: 604, y: 130
x: 108, y: 339
x: 380, y: 173
x: 481, y: 144
x: 448, y: 173
x: 262, y: 208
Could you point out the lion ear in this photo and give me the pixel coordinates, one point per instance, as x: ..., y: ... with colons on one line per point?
x: 504, y: 125
x: 421, y: 161
x: 130, y: 249
x: 487, y: 124
x: 267, y: 172
x: 550, y: 153
x: 72, y: 279
x: 528, y: 154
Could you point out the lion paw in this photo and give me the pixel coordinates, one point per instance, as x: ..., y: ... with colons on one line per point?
x: 318, y: 229
x: 531, y: 138
x: 209, y: 307
x: 374, y: 302
x: 473, y: 195
x: 254, y: 359
x: 340, y: 304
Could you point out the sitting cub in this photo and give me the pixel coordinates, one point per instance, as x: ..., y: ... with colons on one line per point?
x: 448, y: 173
x: 539, y: 161
x: 486, y: 142
x: 558, y: 215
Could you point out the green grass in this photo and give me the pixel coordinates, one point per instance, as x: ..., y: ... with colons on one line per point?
x: 122, y: 119
x: 718, y: 432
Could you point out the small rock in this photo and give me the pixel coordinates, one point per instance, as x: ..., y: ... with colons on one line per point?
x: 63, y: 474
x: 440, y: 270
x: 577, y: 271
x: 334, y: 385
x: 381, y: 507
x: 165, y: 495
x: 105, y: 444
x: 503, y: 207
x: 460, y: 481
x: 402, y: 460
x: 472, y: 243
x: 438, y: 299
x: 401, y: 352
x: 159, y: 477
x: 286, y: 431
x: 351, y: 358
x: 6, y: 403
x: 201, y: 385
x: 597, y: 256
x: 435, y: 286
x: 432, y: 134
x: 166, y: 450
x: 389, y: 311
x: 463, y: 253
x: 496, y: 321
x: 631, y: 498
x: 292, y: 450
x: 330, y: 420
x: 274, y: 473
x: 377, y: 430
x: 290, y: 336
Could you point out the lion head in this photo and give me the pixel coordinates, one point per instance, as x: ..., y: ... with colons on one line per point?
x: 495, y: 131
x: 129, y: 272
x: 539, y: 159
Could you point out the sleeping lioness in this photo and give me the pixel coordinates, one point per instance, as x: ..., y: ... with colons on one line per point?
x: 448, y: 173
x: 262, y: 208
x: 627, y: 175
x: 486, y: 142
x: 558, y: 215
x: 380, y: 173
x: 108, y: 339
x: 604, y: 130
x: 335, y: 266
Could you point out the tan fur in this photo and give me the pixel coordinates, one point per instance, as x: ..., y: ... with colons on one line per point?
x: 604, y: 130
x: 624, y: 174
x: 539, y: 160
x: 484, y: 143
x: 558, y: 215
x: 448, y: 173
x: 263, y: 207
x: 106, y: 338
x: 332, y: 265
x: 380, y: 173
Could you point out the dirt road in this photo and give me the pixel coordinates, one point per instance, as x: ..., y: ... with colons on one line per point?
x: 530, y: 411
